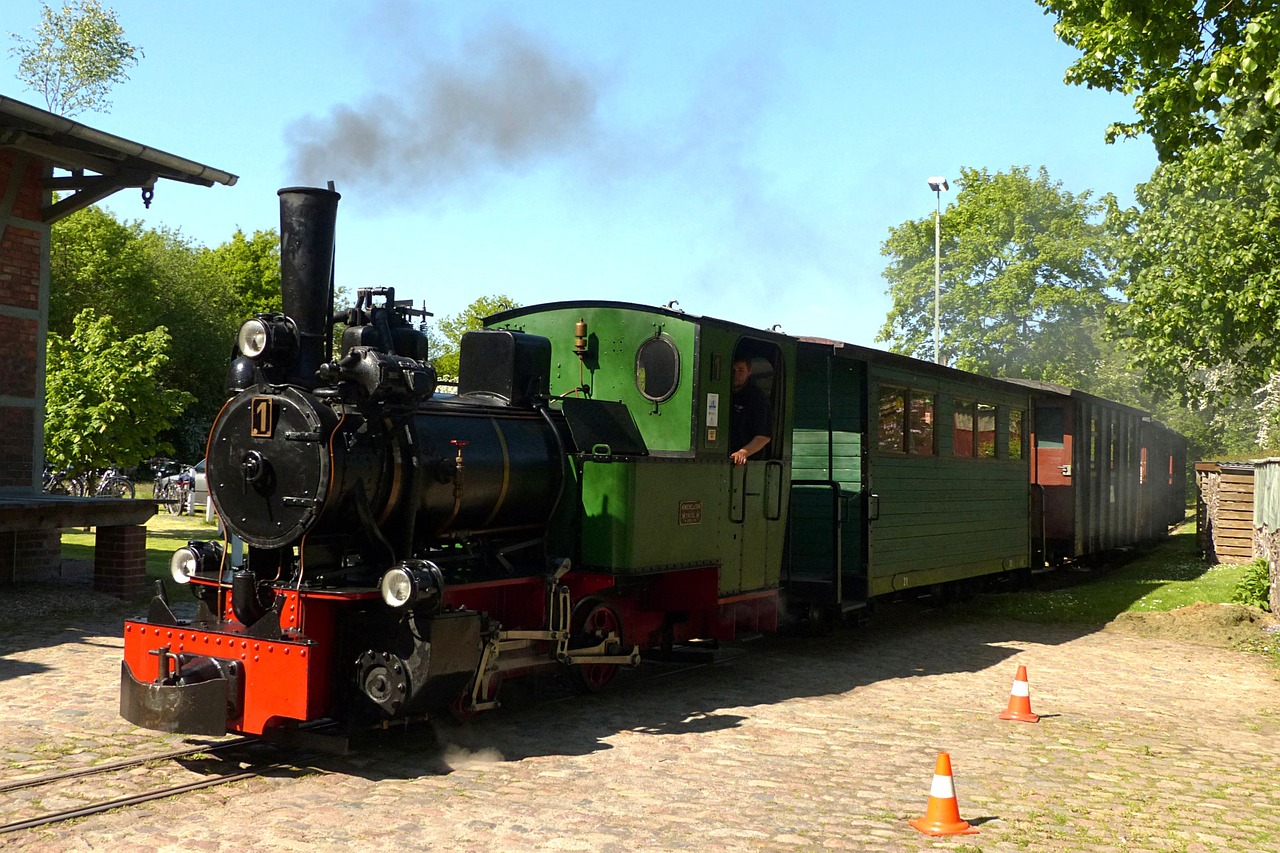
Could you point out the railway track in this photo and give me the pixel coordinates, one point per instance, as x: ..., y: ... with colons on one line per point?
x: 78, y: 793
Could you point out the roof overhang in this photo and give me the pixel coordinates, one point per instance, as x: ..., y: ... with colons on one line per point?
x: 97, y: 164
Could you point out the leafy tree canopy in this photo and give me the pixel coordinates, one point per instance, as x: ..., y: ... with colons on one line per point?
x: 447, y: 336
x: 1192, y: 66
x: 157, y: 277
x: 105, y: 403
x: 1025, y: 267
x: 74, y: 56
x: 250, y: 268
x: 1203, y: 279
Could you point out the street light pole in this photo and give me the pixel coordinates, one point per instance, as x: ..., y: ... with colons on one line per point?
x: 937, y: 185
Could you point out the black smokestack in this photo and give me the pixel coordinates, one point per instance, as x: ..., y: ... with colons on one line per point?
x: 307, y: 219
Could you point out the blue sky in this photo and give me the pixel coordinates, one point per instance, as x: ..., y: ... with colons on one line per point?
x: 744, y: 158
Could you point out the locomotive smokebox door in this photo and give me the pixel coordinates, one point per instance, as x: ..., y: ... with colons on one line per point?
x: 269, y: 465
x: 512, y: 366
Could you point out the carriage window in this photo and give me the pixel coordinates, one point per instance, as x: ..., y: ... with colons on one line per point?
x: 1093, y: 443
x: 892, y: 420
x: 906, y: 421
x: 1015, y: 433
x: 921, y: 425
x: 1050, y: 429
x: 962, y: 436
x: 657, y: 368
x: 1115, y: 445
x: 986, y: 434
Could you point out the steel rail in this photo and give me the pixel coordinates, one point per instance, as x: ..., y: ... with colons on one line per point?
x: 35, y: 781
x: 137, y: 799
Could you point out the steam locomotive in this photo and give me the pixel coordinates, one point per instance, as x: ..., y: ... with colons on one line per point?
x: 392, y: 551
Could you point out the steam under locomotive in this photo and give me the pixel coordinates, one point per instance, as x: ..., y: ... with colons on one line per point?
x: 391, y: 550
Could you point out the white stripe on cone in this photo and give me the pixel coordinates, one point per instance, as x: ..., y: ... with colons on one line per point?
x: 1020, y: 688
x: 942, y: 788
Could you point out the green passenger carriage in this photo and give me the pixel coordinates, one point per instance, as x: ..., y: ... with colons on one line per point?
x: 907, y: 476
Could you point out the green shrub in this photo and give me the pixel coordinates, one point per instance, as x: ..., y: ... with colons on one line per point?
x: 1254, y: 587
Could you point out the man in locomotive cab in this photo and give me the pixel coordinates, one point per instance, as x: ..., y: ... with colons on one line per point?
x: 749, y: 414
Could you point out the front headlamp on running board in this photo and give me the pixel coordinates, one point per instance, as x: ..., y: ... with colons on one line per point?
x: 197, y: 558
x: 413, y: 582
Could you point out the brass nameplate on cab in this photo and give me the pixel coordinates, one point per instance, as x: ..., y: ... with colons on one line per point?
x: 690, y: 512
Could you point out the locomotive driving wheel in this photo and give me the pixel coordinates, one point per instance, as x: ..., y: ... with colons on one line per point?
x: 460, y: 706
x: 592, y: 620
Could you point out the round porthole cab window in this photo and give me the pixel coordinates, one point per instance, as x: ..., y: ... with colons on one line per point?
x: 657, y: 368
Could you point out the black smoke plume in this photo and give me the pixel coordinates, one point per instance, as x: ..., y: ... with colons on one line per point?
x: 508, y: 105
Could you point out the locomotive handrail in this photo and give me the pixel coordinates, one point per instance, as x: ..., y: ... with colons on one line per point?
x: 769, y: 467
x: 738, y: 513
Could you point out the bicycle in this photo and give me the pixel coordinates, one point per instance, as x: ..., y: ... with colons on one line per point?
x: 62, y: 483
x: 167, y: 490
x: 114, y: 484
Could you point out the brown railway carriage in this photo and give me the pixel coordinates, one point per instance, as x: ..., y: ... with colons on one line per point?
x: 1104, y: 475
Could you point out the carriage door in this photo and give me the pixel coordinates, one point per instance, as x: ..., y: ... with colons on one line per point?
x: 757, y: 504
x: 826, y: 555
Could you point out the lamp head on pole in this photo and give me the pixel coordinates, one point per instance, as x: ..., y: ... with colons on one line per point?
x: 938, y: 184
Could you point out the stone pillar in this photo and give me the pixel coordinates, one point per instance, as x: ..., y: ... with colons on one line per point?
x: 120, y: 560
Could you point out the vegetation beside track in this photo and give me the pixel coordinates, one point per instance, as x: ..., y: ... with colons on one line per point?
x: 1166, y: 576
x: 1166, y: 590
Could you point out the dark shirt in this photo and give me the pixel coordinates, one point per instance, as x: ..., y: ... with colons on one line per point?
x: 749, y: 416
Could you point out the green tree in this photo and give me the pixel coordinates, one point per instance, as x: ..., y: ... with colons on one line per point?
x: 75, y: 56
x: 447, y: 336
x: 96, y: 260
x: 1025, y: 266
x: 1192, y: 66
x: 1203, y: 288
x: 148, y: 278
x: 250, y: 268
x: 105, y: 404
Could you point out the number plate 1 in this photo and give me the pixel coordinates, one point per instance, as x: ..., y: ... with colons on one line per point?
x: 263, y: 421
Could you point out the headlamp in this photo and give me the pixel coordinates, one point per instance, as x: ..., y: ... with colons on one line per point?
x: 268, y: 337
x: 412, y: 582
x: 183, y: 564
x: 196, y: 558
x: 254, y: 338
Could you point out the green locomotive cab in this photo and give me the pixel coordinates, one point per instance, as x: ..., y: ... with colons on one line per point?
x: 647, y: 395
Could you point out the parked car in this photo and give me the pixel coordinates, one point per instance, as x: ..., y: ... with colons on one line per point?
x: 175, y: 491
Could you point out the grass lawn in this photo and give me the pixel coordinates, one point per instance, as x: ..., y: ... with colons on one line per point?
x: 165, y: 534
x: 1166, y: 576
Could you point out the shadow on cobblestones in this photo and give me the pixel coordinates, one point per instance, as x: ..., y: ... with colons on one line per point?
x: 542, y: 718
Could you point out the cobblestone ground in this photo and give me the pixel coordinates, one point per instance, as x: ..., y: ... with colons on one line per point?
x: 786, y: 744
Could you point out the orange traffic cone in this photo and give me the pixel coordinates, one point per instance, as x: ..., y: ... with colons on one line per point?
x: 1020, y: 700
x: 942, y: 817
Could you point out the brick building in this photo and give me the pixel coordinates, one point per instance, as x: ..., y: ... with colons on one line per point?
x: 42, y: 153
